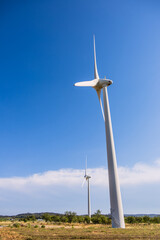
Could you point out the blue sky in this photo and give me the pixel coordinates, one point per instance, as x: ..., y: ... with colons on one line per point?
x: 46, y: 124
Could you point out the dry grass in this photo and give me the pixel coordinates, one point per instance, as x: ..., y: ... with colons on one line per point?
x: 79, y: 231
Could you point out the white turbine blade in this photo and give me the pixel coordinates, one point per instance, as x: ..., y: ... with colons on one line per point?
x: 83, y: 182
x: 96, y: 76
x: 86, y: 84
x: 86, y: 167
x: 99, y: 97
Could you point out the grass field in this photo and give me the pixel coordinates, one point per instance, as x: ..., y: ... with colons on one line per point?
x: 43, y: 231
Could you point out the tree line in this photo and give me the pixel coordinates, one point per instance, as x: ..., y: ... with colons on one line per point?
x: 97, y: 218
x: 69, y: 217
x: 144, y: 219
x: 72, y: 217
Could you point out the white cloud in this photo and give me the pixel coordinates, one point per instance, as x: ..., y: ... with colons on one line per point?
x: 139, y: 174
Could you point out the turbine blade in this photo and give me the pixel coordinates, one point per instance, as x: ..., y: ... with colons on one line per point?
x: 99, y: 97
x: 96, y: 76
x: 83, y: 182
x: 86, y: 167
x: 86, y: 83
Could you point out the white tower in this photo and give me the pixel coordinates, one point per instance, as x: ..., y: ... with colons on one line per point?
x: 87, y: 177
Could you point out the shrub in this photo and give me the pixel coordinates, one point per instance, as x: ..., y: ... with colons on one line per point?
x: 109, y: 220
x: 80, y: 219
x: 87, y: 219
x: 46, y: 217
x: 146, y: 219
x: 42, y: 226
x: 96, y: 219
x: 29, y: 218
x: 130, y: 219
x: 71, y: 216
x: 64, y: 219
x: 155, y: 220
x: 55, y: 218
x: 28, y: 225
x: 16, y: 225
x: 104, y: 219
x: 139, y: 219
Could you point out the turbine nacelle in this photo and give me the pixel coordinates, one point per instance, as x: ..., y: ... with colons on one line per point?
x: 86, y: 177
x: 102, y: 83
x: 97, y: 84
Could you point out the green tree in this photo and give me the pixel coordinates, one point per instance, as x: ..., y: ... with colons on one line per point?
x: 56, y: 218
x: 96, y: 219
x: 146, y: 219
x: 87, y: 219
x: 109, y: 220
x: 71, y: 216
x: 130, y: 219
x: 29, y: 218
x: 139, y: 219
x: 47, y: 217
x: 32, y: 218
x: 155, y: 220
x: 80, y: 219
x: 104, y: 219
x: 64, y: 219
x: 98, y: 212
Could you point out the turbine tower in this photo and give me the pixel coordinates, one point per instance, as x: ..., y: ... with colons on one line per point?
x: 114, y: 188
x: 86, y: 178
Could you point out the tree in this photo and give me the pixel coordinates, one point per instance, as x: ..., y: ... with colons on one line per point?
x: 109, y: 220
x: 130, y: 219
x: 64, y: 219
x: 80, y: 219
x: 29, y: 218
x: 104, y: 219
x: 146, y: 219
x: 139, y: 219
x: 55, y: 218
x: 46, y: 217
x: 71, y: 216
x: 155, y: 220
x: 98, y: 218
x: 87, y: 219
x: 98, y: 212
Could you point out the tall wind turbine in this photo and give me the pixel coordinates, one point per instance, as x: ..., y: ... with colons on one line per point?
x: 86, y: 178
x: 114, y: 188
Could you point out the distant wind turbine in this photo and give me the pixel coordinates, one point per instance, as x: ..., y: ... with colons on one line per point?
x: 86, y: 178
x: 115, y: 195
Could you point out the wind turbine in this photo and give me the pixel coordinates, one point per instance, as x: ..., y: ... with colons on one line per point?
x: 86, y: 178
x: 114, y: 188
